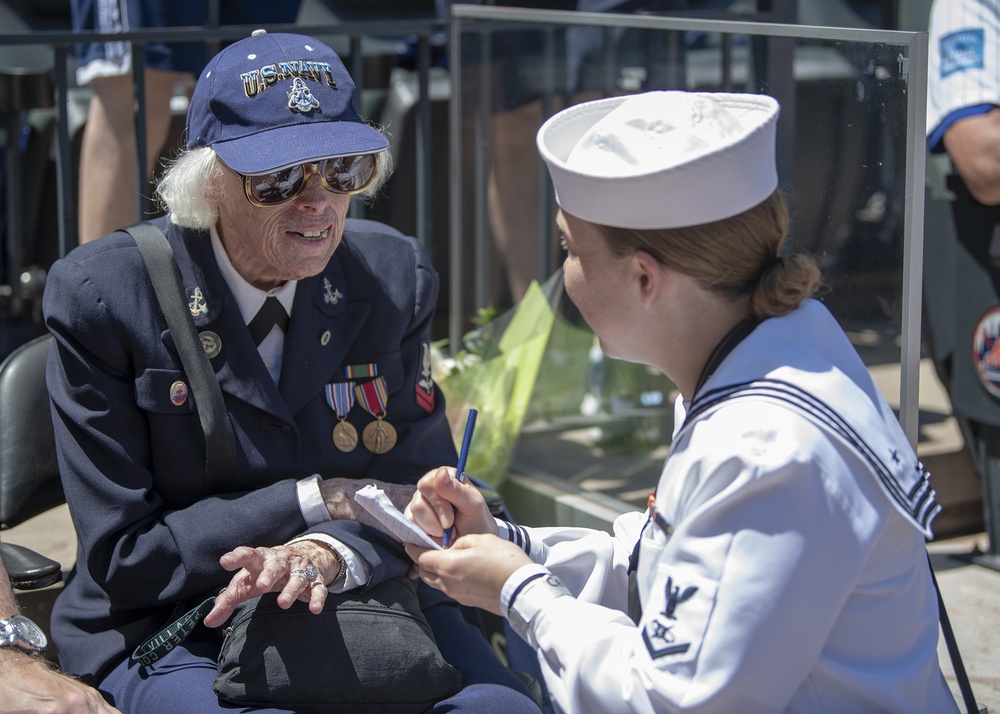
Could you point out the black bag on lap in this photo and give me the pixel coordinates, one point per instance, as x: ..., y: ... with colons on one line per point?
x: 369, y: 651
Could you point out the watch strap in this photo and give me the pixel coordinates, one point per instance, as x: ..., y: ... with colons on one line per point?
x: 342, y: 574
x: 10, y: 637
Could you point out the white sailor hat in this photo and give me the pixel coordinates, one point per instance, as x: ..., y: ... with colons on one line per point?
x: 662, y: 159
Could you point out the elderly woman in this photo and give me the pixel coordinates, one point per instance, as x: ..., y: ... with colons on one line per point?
x: 317, y: 329
x: 780, y: 566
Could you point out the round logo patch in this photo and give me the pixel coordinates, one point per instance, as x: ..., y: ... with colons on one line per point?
x: 178, y: 393
x: 986, y: 350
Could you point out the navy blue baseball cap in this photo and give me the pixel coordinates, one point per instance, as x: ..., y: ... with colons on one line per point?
x: 276, y: 100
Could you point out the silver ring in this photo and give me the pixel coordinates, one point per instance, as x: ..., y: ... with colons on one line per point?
x: 309, y: 573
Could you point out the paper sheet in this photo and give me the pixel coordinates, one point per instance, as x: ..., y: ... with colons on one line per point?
x: 374, y: 500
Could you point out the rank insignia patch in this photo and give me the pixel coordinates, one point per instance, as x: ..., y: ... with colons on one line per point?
x: 425, y: 385
x: 659, y: 633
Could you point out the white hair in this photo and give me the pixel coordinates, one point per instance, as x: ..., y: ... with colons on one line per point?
x: 192, y: 187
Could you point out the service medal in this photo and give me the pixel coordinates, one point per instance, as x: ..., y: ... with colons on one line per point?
x: 379, y: 436
x: 340, y: 397
x: 345, y: 436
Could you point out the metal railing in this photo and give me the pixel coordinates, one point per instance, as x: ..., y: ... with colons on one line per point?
x: 879, y: 72
x: 467, y: 178
x: 46, y: 77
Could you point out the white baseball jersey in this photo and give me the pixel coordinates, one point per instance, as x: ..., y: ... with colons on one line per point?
x: 963, y: 73
x: 782, y: 567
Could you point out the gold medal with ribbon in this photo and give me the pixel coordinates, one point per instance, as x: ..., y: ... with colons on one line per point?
x: 379, y: 436
x: 340, y: 397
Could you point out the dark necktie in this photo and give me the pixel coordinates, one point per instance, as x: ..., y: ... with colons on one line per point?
x: 271, y: 313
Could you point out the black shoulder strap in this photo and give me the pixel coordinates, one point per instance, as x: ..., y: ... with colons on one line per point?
x: 964, y: 686
x: 220, y: 443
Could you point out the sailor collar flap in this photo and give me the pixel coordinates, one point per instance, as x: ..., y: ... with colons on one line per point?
x: 899, y: 473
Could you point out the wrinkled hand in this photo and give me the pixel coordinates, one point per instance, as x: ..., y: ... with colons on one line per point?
x: 338, y: 495
x: 29, y: 685
x: 441, y: 501
x: 264, y: 570
x: 472, y: 571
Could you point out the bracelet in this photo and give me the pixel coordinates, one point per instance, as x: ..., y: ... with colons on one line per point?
x: 342, y: 575
x: 341, y: 561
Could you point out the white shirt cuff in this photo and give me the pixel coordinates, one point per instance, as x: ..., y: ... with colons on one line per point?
x: 358, y: 571
x: 525, y: 593
x: 311, y: 501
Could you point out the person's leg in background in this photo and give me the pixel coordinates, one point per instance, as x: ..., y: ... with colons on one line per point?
x: 513, y: 195
x: 987, y: 450
x: 107, y: 160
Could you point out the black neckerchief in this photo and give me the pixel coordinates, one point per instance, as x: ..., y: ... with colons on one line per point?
x: 726, y: 345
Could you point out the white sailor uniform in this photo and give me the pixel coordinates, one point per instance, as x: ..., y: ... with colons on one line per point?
x: 782, y: 567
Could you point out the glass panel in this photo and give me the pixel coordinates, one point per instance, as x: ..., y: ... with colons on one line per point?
x: 842, y: 164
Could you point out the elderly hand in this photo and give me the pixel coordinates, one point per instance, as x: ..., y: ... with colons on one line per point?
x: 299, y: 571
x: 441, y: 501
x: 472, y: 571
x: 30, y: 685
x: 338, y: 495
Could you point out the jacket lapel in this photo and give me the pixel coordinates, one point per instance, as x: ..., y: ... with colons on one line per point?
x: 324, y: 325
x: 237, y: 365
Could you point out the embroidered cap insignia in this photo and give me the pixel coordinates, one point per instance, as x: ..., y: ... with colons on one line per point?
x: 300, y: 99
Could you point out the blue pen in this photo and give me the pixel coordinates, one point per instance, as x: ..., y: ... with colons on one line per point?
x: 463, y: 456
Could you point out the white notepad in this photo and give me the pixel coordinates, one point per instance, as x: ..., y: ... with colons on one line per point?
x: 374, y: 500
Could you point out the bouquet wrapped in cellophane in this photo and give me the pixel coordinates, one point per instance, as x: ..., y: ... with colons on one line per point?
x: 495, y: 372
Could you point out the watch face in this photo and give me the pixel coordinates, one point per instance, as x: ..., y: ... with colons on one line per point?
x: 29, y: 631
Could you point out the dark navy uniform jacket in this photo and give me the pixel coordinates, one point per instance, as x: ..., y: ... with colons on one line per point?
x: 133, y: 460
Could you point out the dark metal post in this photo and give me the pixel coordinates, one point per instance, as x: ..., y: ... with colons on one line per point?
x: 64, y: 166
x: 139, y: 103
x: 423, y: 136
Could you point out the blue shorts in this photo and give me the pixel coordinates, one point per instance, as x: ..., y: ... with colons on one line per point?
x: 105, y: 59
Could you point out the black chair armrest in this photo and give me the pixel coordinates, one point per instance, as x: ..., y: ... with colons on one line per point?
x: 27, y: 569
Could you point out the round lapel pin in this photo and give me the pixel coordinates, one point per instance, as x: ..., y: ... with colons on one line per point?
x: 211, y: 343
x: 178, y: 393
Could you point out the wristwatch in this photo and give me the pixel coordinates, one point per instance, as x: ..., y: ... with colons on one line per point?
x: 18, y: 631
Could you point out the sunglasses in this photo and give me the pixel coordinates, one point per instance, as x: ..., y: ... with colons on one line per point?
x: 342, y: 174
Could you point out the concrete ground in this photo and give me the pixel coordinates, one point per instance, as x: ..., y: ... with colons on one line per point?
x: 971, y: 596
x: 971, y: 591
